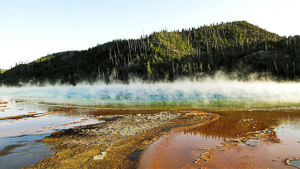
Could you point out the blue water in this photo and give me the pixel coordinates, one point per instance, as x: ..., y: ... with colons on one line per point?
x: 214, y: 93
x: 208, y: 93
x: 28, y: 153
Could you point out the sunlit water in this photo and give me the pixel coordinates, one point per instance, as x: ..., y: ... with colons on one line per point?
x: 210, y: 93
x: 216, y: 93
x: 25, y: 153
x: 18, y: 137
x: 181, y: 148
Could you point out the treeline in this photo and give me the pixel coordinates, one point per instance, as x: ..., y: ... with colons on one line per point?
x: 166, y: 56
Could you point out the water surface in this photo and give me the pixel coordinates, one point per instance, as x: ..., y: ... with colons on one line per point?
x: 19, y: 138
x: 181, y: 148
x: 176, y: 149
x: 209, y: 93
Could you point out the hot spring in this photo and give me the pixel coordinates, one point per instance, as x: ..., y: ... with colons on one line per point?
x: 210, y: 93
x: 268, y: 103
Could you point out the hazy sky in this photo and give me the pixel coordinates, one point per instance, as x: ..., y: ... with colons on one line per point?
x: 30, y: 29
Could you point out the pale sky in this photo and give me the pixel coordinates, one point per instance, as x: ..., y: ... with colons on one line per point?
x: 30, y: 29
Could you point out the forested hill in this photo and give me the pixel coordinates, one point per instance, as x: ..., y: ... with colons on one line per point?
x: 2, y: 70
x: 238, y: 47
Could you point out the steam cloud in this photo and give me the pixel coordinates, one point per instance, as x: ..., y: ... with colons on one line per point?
x: 208, y: 92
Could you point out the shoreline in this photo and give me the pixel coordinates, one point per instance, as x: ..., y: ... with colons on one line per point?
x: 118, y: 142
x: 126, y: 134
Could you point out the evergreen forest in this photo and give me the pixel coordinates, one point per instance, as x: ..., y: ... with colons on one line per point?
x: 239, y: 49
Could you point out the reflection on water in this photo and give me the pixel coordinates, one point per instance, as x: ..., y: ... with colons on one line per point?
x: 20, y: 107
x: 42, y: 123
x: 228, y: 126
x: 175, y: 150
x: 295, y: 163
x: 180, y: 149
x: 18, y: 137
x: 24, y: 151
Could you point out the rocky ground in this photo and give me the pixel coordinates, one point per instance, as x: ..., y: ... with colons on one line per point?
x: 138, y: 123
x: 116, y: 141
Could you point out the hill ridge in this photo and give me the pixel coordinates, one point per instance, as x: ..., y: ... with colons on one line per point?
x: 167, y: 56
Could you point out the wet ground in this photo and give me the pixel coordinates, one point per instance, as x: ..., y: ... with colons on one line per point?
x: 23, y: 123
x: 115, y: 143
x: 182, y: 148
x: 30, y: 122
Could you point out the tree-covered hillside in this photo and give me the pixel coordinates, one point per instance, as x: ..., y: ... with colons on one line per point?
x: 2, y: 70
x: 238, y: 47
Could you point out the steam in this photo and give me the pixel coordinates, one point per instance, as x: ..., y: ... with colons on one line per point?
x: 219, y: 92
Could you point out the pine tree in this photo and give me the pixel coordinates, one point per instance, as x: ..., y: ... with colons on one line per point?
x: 149, y: 72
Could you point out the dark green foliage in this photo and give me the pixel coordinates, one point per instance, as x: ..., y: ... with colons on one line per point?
x: 2, y: 70
x: 231, y: 47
